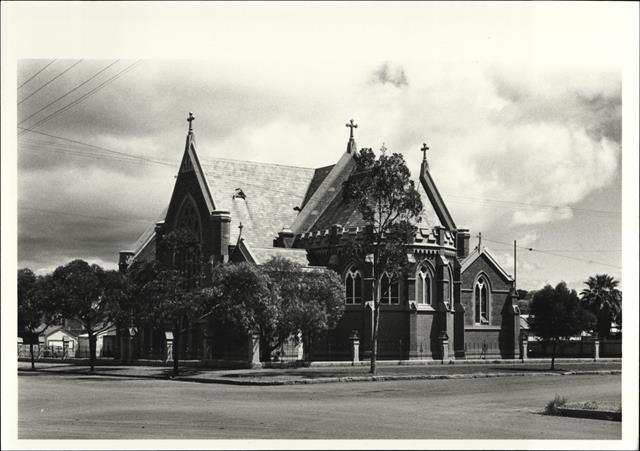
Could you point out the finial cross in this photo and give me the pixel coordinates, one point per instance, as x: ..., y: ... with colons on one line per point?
x: 190, y: 119
x: 424, y: 151
x: 479, y: 240
x: 351, y: 125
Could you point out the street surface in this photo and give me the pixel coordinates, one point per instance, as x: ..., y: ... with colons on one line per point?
x: 57, y: 406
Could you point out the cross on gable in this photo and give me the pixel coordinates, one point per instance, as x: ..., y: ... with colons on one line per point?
x: 424, y: 151
x: 351, y: 125
x: 190, y: 119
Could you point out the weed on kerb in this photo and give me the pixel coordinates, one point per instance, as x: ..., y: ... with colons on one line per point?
x: 552, y: 406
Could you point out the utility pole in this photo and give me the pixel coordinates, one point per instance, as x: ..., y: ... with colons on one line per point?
x: 515, y: 264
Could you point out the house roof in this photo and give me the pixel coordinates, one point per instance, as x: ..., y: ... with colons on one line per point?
x: 52, y: 329
x: 483, y: 251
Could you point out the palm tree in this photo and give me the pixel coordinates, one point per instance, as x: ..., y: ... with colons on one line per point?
x: 604, y: 299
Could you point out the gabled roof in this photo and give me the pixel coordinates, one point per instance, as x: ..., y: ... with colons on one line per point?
x: 260, y: 195
x: 435, y: 198
x: 261, y: 255
x: 53, y: 329
x: 483, y: 251
x: 326, y: 195
x: 318, y: 176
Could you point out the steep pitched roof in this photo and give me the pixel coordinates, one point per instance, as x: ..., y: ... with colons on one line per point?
x: 319, y: 175
x: 260, y: 195
x: 483, y: 251
x: 261, y: 255
x: 435, y: 199
x: 324, y: 197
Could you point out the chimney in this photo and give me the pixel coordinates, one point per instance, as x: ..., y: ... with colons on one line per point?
x: 286, y: 238
x: 220, y: 228
x: 462, y: 242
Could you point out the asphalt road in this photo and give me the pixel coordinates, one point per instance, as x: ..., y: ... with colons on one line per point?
x: 88, y: 407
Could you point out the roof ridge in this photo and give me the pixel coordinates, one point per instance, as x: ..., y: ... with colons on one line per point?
x: 208, y: 162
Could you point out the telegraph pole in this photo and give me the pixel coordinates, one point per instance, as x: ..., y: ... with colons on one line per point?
x: 515, y: 264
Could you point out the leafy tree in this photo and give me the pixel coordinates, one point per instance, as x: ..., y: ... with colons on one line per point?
x: 310, y: 301
x: 245, y: 296
x: 88, y: 294
x: 169, y: 290
x: 557, y: 313
x: 603, y: 298
x: 389, y: 203
x: 35, y: 311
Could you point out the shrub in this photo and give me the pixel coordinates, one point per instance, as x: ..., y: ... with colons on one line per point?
x: 552, y: 406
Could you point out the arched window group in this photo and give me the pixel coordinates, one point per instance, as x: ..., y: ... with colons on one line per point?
x: 189, y: 229
x: 353, y: 286
x: 389, y: 290
x: 481, y: 294
x: 424, y: 286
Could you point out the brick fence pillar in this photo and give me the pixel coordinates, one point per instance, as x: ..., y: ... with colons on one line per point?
x: 253, y: 357
x: 596, y: 349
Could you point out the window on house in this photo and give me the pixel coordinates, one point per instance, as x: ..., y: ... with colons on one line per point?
x: 481, y: 301
x: 389, y: 292
x: 353, y: 286
x: 424, y: 283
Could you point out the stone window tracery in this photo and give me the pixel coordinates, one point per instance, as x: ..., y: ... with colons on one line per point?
x: 353, y: 286
x: 481, y: 294
x: 389, y: 290
x: 424, y: 286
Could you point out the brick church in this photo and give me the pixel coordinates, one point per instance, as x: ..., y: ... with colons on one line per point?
x: 247, y: 211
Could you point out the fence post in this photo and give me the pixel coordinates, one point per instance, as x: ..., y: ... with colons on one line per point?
x: 355, y: 347
x: 596, y: 349
x: 253, y: 357
x: 524, y: 345
x: 169, y: 337
x: 443, y: 339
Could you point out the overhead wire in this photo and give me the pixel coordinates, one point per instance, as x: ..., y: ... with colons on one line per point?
x: 80, y: 99
x: 531, y: 249
x: 50, y: 81
x: 60, y: 213
x: 69, y: 92
x: 36, y: 74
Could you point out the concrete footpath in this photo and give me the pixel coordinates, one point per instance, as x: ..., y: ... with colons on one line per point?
x: 329, y: 374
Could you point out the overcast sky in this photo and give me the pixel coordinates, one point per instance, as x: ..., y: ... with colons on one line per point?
x: 521, y: 111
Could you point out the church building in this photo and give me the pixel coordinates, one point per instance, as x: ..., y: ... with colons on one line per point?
x: 453, y: 302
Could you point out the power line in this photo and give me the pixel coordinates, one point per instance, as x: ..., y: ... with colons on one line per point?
x: 246, y: 182
x: 69, y: 92
x: 37, y: 73
x: 51, y: 81
x: 59, y: 213
x: 610, y: 212
x: 530, y: 249
x: 80, y: 99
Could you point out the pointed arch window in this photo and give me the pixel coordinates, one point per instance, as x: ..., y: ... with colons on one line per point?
x: 353, y: 286
x: 189, y: 229
x: 424, y: 286
x: 481, y: 294
x: 389, y: 290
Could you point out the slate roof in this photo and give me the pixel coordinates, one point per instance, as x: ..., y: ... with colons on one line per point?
x: 319, y: 175
x: 263, y: 255
x: 341, y: 212
x: 270, y: 193
x: 476, y: 253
